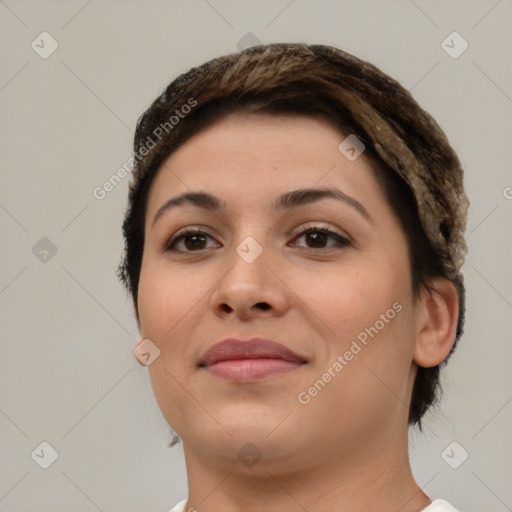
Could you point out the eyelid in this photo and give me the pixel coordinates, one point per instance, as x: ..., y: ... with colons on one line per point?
x: 343, y: 238
x: 322, y: 225
x: 186, y: 231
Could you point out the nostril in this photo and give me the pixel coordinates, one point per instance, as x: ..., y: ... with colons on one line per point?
x: 263, y: 305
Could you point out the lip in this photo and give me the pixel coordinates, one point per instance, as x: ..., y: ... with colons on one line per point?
x: 246, y: 360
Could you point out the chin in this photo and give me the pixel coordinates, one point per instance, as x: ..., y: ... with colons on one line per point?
x: 252, y: 417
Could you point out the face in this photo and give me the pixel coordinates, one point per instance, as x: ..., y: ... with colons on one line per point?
x: 326, y: 276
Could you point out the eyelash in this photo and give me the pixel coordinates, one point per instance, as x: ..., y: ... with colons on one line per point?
x: 342, y: 241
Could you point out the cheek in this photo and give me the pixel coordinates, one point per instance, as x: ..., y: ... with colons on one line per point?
x: 351, y: 298
x: 365, y: 312
x: 170, y: 302
x: 167, y: 297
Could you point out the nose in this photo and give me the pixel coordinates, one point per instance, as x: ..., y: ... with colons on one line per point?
x: 250, y: 289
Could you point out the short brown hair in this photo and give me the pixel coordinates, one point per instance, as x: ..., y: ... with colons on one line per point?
x: 417, y: 168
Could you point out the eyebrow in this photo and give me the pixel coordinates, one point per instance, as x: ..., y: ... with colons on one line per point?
x: 288, y: 200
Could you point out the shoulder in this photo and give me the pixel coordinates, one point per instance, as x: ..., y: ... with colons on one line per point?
x: 180, y: 507
x: 440, y: 506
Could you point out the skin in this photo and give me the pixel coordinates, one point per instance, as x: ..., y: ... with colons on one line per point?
x: 347, y: 448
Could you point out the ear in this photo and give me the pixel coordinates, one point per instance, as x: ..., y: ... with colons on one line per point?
x: 140, y: 338
x: 437, y: 316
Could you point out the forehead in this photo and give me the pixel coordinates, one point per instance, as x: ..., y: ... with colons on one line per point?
x: 251, y: 156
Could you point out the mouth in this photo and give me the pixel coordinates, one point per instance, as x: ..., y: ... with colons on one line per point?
x: 249, y: 360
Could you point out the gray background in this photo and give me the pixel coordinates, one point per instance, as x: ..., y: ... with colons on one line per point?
x: 68, y: 374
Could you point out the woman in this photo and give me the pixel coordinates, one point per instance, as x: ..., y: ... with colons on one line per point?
x: 294, y: 239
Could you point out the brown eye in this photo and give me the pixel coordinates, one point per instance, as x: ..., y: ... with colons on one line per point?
x: 195, y: 240
x: 316, y: 238
x: 192, y: 240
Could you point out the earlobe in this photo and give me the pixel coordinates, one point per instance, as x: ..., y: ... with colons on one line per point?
x: 140, y: 337
x: 438, y: 313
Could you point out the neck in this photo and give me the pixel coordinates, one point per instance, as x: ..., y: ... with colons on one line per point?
x: 355, y: 481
